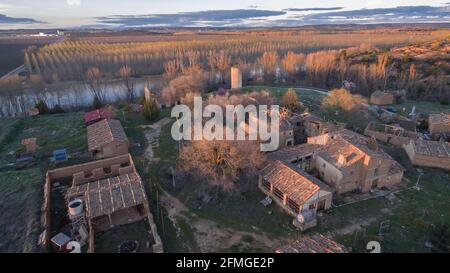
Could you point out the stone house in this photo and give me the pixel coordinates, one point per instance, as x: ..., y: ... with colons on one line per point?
x: 349, y: 161
x: 344, y: 160
x: 439, y: 123
x: 108, y: 193
x: 391, y: 134
x: 426, y: 153
x: 107, y: 138
x: 381, y: 98
x: 293, y: 190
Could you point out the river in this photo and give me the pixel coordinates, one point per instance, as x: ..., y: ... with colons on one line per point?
x: 72, y: 95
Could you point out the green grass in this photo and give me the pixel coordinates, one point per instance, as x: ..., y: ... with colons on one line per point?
x: 188, y: 234
x: 244, y: 212
x: 7, y: 128
x: 427, y: 107
x: 109, y: 241
x: 20, y: 204
x: 307, y: 95
x: 52, y: 132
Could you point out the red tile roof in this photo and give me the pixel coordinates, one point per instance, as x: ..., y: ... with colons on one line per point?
x: 96, y: 115
x: 299, y: 188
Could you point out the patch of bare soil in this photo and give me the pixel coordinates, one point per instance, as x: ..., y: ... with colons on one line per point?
x: 152, y: 133
x: 209, y: 236
x: 355, y: 226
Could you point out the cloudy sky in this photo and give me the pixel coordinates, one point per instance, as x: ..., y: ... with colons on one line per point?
x: 71, y: 13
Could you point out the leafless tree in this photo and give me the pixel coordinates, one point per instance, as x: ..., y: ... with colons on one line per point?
x: 95, y: 81
x: 222, y: 163
x: 125, y: 73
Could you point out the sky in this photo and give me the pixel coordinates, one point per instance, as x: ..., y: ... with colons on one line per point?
x: 67, y: 13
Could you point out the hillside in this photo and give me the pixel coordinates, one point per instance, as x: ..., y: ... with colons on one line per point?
x: 423, y: 69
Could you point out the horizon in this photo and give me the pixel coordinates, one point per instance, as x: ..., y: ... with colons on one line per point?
x: 27, y: 14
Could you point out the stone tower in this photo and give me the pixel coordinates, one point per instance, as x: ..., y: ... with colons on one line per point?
x: 236, y: 78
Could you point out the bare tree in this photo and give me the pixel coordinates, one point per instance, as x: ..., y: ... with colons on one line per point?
x: 171, y: 69
x: 95, y: 81
x: 125, y: 73
x: 38, y: 87
x: 221, y: 163
x: 269, y: 60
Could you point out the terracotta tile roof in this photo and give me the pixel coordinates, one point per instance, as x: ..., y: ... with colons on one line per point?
x: 432, y: 148
x: 104, y: 132
x: 313, y: 244
x: 98, y: 114
x: 106, y: 196
x: 296, y: 186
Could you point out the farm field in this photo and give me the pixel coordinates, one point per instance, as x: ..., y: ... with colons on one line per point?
x: 12, y: 50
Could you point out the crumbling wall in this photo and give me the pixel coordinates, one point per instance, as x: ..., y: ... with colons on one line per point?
x: 44, y: 239
x: 426, y: 160
x: 438, y: 128
x: 388, y: 138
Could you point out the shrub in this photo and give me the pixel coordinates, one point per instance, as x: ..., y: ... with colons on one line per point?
x: 150, y: 110
x: 57, y: 109
x: 444, y: 101
x: 97, y: 103
x: 42, y: 107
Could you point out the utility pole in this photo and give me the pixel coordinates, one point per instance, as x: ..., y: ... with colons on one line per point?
x: 418, y: 179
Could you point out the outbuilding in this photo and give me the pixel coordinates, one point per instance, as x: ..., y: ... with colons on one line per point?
x: 107, y: 138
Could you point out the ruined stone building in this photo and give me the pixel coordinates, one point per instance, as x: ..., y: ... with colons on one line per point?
x: 381, y: 98
x: 439, y: 123
x: 392, y: 134
x: 426, y: 153
x: 344, y: 160
x: 107, y: 138
x: 293, y: 189
x: 100, y: 195
x: 315, y: 126
x: 387, y: 97
x: 349, y: 161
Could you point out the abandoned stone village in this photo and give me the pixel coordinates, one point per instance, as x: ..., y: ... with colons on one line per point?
x: 82, y: 200
x: 317, y: 162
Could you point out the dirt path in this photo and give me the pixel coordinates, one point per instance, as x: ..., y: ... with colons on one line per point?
x: 209, y: 236
x: 355, y: 226
x: 152, y: 133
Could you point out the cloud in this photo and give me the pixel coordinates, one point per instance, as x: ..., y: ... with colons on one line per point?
x: 404, y: 14
x: 314, y: 9
x: 74, y: 2
x: 211, y: 17
x: 12, y: 20
x: 287, y: 17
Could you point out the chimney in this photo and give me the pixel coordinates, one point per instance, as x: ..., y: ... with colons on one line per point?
x: 372, y: 144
